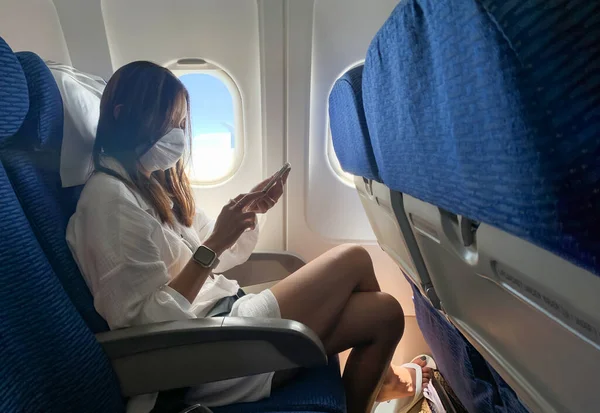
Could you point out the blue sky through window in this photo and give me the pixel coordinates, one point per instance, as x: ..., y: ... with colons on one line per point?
x: 211, y: 105
x: 213, y: 126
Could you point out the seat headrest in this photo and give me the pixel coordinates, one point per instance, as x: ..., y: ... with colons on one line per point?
x: 43, y: 126
x: 487, y: 114
x: 348, y: 125
x: 14, y: 97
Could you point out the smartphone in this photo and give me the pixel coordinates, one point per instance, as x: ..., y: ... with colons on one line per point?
x: 277, y: 177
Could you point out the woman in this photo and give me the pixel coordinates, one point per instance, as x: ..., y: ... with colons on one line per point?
x: 148, y: 255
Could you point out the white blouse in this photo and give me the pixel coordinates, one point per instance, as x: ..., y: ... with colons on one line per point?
x: 127, y: 256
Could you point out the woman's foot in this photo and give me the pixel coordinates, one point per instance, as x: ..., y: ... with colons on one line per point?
x: 400, y: 381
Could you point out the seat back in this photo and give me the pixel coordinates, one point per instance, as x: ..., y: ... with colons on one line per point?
x: 50, y: 361
x: 349, y: 132
x: 477, y: 385
x: 32, y: 162
x: 463, y: 367
x: 487, y: 122
x: 352, y: 146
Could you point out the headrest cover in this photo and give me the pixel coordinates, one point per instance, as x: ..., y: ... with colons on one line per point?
x: 14, y: 98
x: 44, y: 122
x: 348, y: 125
x: 81, y: 94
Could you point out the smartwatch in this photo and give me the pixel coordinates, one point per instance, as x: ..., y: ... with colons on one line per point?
x: 206, y: 257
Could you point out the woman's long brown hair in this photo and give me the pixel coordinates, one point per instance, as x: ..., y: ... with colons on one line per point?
x: 150, y: 101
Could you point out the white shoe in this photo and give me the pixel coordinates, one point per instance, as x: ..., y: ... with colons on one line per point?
x: 430, y: 393
x: 404, y: 404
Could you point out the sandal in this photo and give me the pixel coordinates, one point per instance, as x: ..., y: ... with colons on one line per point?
x: 404, y: 404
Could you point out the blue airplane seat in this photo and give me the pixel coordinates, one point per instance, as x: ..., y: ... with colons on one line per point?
x: 461, y: 365
x: 348, y: 125
x: 484, y: 115
x: 477, y: 385
x: 50, y: 360
x: 352, y: 145
x: 430, y: 106
x: 13, y: 92
x: 32, y: 162
x: 317, y: 390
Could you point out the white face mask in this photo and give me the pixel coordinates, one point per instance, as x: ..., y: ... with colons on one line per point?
x: 166, y: 152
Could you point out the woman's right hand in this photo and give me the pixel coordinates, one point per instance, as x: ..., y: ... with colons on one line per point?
x: 232, y: 222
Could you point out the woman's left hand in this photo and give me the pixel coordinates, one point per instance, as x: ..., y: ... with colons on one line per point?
x: 270, y: 198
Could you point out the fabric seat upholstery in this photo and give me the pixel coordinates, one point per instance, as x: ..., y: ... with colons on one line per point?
x: 475, y: 382
x: 487, y: 113
x: 51, y: 362
x: 14, y: 95
x: 349, y: 127
x: 319, y: 390
x: 491, y: 116
x: 32, y: 162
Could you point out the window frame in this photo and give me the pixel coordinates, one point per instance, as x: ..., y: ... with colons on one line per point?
x: 212, y: 69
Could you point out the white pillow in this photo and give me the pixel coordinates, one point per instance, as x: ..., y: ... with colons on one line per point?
x: 81, y: 93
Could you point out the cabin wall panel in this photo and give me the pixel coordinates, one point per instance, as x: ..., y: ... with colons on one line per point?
x: 33, y: 25
x: 342, y: 32
x: 83, y: 28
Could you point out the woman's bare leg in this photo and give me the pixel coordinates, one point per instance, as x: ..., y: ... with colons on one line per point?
x: 316, y: 294
x: 372, y: 325
x: 338, y: 297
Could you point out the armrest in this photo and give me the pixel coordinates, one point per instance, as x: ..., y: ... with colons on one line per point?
x: 264, y: 267
x: 177, y: 354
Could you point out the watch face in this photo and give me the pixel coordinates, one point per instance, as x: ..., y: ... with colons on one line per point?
x: 204, y: 256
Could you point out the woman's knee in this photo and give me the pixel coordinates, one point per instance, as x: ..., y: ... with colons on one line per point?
x: 354, y: 257
x: 391, y: 315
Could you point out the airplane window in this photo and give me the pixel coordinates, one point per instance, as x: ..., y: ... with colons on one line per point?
x: 216, y: 125
x: 346, y: 177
